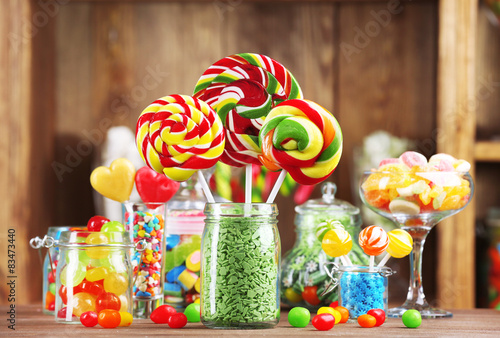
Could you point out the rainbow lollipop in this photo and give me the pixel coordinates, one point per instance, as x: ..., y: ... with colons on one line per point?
x: 400, y: 245
x: 337, y: 243
x: 373, y: 240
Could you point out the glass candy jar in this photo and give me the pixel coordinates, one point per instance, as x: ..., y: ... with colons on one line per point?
x: 94, y: 273
x: 359, y: 287
x: 240, y: 269
x: 303, y: 277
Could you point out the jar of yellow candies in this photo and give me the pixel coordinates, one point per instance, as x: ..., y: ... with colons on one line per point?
x: 94, y: 274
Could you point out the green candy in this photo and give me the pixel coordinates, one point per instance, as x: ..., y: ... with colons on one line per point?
x: 299, y: 316
x: 412, y: 318
x: 52, y: 288
x: 192, y: 313
x: 113, y: 226
x: 73, y: 274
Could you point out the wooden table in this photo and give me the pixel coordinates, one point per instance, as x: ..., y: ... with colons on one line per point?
x: 30, y: 321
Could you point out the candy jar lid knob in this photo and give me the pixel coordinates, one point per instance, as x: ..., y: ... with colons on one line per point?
x: 329, y: 190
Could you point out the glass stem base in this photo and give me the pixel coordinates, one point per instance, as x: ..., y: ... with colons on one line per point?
x: 425, y: 310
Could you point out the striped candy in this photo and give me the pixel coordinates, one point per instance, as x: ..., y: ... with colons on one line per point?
x: 178, y: 134
x: 336, y: 242
x: 326, y: 226
x: 400, y: 243
x: 373, y: 240
x: 242, y: 89
x: 302, y: 138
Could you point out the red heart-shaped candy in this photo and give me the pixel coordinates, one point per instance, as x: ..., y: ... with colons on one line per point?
x: 153, y: 186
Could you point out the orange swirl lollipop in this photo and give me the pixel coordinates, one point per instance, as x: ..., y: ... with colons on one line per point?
x: 373, y: 240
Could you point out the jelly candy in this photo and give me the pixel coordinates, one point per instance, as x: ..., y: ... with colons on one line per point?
x: 192, y: 313
x: 63, y: 312
x: 73, y: 274
x: 96, y: 222
x: 377, y: 198
x: 161, y: 314
x: 93, y: 288
x: 49, y: 298
x: 412, y: 318
x: 83, y: 302
x: 293, y: 296
x: 52, y: 288
x: 367, y: 321
x: 113, y: 226
x: 109, y: 318
x: 107, y: 300
x: 177, y: 320
x: 310, y: 295
x: 89, y: 318
x: 379, y: 315
x: 115, y: 283
x: 332, y: 311
x: 299, y: 317
x: 323, y: 322
x: 126, y: 318
x: 97, y: 238
x: 344, y: 313
x: 96, y: 274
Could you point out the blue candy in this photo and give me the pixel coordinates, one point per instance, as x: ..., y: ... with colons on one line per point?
x: 173, y: 275
x: 172, y: 241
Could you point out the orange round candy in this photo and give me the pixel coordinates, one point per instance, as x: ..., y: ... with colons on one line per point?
x: 377, y: 198
x: 367, y: 321
x: 344, y: 313
x: 109, y: 319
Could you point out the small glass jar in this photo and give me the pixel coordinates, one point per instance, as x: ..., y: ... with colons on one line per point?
x: 146, y: 222
x: 94, y: 273
x: 303, y: 277
x: 361, y: 288
x: 240, y: 266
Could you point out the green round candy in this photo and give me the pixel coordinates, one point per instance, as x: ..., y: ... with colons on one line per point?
x: 192, y: 313
x: 412, y: 318
x: 52, y: 288
x: 299, y: 316
x: 113, y: 226
x: 73, y: 274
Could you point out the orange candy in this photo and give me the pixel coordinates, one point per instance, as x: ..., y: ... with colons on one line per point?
x: 344, y: 312
x: 377, y: 198
x: 366, y: 321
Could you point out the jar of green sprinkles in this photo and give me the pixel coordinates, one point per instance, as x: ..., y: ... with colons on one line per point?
x: 240, y: 266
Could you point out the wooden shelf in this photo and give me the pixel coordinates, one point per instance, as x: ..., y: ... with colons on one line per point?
x: 487, y: 151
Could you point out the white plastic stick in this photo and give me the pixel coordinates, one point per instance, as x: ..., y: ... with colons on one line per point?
x: 384, y: 260
x: 277, y: 186
x: 128, y: 207
x: 372, y: 262
x: 348, y: 260
x: 248, y: 183
x: 206, y: 189
x: 344, y: 261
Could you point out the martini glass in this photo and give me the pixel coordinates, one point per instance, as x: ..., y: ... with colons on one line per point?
x: 417, y: 201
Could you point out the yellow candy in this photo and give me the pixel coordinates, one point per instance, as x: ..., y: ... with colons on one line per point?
x: 293, y: 296
x: 116, y: 283
x: 336, y: 243
x: 436, y: 191
x: 82, y: 302
x: 400, y: 243
x: 125, y: 319
x: 97, y: 238
x: 193, y: 261
x: 332, y: 311
x: 115, y: 182
x: 188, y: 279
x: 425, y: 196
x: 197, y: 285
x: 451, y: 203
x: 197, y: 301
x: 96, y: 274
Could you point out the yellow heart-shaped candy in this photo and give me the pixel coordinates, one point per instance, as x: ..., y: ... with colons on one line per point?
x: 115, y: 182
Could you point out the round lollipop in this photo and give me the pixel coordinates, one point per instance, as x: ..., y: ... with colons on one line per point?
x: 302, y: 138
x: 400, y: 245
x: 337, y: 243
x: 373, y: 240
x: 242, y: 89
x: 178, y: 135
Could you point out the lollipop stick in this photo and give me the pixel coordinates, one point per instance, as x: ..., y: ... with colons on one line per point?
x: 248, y: 183
x: 384, y: 260
x: 372, y: 262
x: 277, y: 186
x: 206, y: 189
x: 348, y: 260
x: 344, y: 260
x: 128, y: 207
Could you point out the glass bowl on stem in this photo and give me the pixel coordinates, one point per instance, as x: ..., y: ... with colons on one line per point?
x: 416, y: 201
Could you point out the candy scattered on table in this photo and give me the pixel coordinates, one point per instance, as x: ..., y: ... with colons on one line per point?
x: 344, y: 313
x: 109, y: 319
x: 412, y: 318
x: 192, y: 313
x: 126, y: 318
x: 177, y: 321
x: 323, y: 322
x: 89, y: 319
x: 379, y: 315
x: 367, y: 320
x: 332, y: 311
x: 299, y: 316
x: 162, y: 314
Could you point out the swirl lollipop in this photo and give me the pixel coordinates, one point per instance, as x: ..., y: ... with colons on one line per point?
x: 400, y: 245
x: 373, y: 240
x: 337, y: 243
x: 242, y: 89
x: 178, y: 135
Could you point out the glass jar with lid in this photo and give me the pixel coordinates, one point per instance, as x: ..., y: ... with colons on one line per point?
x: 303, y: 276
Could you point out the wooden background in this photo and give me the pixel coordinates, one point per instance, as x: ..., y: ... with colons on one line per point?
x: 94, y: 64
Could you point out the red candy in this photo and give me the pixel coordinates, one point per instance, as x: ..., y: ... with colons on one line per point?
x: 94, y: 288
x: 109, y: 318
x: 153, y: 186
x: 323, y: 322
x: 62, y: 313
x: 334, y: 304
x: 51, y: 277
x: 107, y: 300
x: 162, y: 314
x: 95, y: 223
x: 367, y: 321
x: 89, y: 319
x: 310, y: 295
x: 177, y: 321
x: 379, y: 315
x: 52, y: 306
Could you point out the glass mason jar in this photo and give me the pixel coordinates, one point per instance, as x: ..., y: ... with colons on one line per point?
x: 94, y: 273
x: 303, y: 277
x: 361, y: 288
x: 240, y: 266
x: 146, y: 222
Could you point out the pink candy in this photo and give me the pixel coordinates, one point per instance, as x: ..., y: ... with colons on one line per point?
x: 412, y: 158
